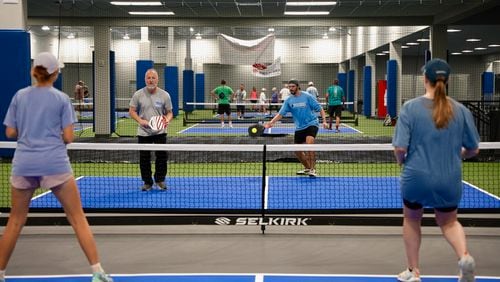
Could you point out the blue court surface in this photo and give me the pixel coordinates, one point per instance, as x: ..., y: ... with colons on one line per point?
x: 240, y: 278
x: 242, y: 129
x: 245, y: 193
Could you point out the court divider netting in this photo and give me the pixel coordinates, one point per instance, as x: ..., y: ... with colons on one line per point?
x: 232, y: 184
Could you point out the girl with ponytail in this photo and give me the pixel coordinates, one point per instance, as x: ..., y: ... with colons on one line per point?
x: 433, y: 134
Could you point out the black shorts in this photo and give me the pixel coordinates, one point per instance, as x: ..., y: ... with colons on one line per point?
x: 335, y: 111
x: 224, y: 108
x: 300, y: 135
x: 417, y: 206
x: 240, y: 108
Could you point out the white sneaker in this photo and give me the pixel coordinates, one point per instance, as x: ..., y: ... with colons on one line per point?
x: 231, y: 125
x: 303, y: 171
x: 467, y: 266
x: 101, y: 277
x: 312, y: 173
x: 221, y: 125
x: 408, y: 276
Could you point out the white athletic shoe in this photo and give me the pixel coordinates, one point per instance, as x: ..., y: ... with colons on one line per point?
x: 467, y: 266
x: 303, y: 171
x: 101, y: 277
x: 312, y: 173
x: 221, y: 125
x: 230, y: 125
x: 408, y: 276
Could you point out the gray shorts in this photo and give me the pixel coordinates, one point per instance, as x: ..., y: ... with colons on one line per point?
x: 33, y: 182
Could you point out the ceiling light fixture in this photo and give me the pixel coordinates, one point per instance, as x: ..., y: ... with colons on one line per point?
x: 126, y: 37
x: 494, y: 45
x: 307, y: 13
x: 135, y: 3
x: 467, y: 51
x: 332, y: 28
x: 454, y: 30
x: 473, y: 40
x: 71, y: 36
x: 314, y: 3
x: 152, y: 13
x: 412, y: 43
x: 405, y: 47
x: 45, y: 27
x: 381, y: 54
x: 271, y: 29
x: 423, y: 40
x: 456, y: 53
x: 248, y: 4
x: 480, y: 48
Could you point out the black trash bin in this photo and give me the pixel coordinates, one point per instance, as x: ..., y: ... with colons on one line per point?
x: 494, y: 126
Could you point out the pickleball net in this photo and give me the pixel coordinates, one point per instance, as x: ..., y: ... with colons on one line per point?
x: 219, y: 178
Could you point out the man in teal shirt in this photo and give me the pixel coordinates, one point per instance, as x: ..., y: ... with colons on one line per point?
x: 335, y: 97
x: 222, y: 94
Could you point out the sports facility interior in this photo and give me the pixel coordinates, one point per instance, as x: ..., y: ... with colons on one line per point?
x: 235, y: 208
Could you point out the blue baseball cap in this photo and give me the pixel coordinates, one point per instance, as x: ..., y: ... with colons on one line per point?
x: 435, y: 69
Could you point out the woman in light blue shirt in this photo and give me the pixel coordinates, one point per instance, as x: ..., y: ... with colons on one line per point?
x: 433, y: 134
x: 41, y: 118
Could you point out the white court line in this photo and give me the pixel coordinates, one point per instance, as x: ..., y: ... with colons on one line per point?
x: 266, y: 192
x: 348, y: 126
x: 481, y: 190
x: 50, y: 191
x: 194, y: 125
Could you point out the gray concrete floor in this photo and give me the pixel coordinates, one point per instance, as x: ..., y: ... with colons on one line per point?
x: 231, y: 249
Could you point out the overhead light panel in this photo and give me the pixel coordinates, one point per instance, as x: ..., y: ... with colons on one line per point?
x: 423, y: 39
x: 456, y: 53
x: 135, y: 3
x: 313, y: 3
x: 473, y: 40
x: 412, y: 43
x: 454, y: 30
x: 467, y: 51
x: 494, y: 45
x: 271, y: 29
x: 248, y: 3
x: 45, y: 27
x: 152, y: 13
x: 480, y: 48
x: 307, y: 13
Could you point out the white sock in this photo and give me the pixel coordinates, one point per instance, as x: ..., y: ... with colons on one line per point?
x: 97, y: 268
x: 2, y: 274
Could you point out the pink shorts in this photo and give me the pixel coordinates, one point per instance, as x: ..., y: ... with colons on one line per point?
x: 33, y: 182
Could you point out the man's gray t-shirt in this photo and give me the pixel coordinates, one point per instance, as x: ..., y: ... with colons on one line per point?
x: 149, y: 105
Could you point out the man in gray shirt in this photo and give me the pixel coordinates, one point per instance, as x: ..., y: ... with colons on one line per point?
x: 151, y: 101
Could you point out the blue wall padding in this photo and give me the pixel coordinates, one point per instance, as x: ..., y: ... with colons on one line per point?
x: 427, y: 56
x: 351, y: 75
x: 342, y: 78
x: 392, y: 79
x: 58, y: 83
x: 141, y: 66
x: 112, y: 91
x: 367, y: 91
x: 487, y: 85
x: 172, y: 87
x: 14, y: 73
x: 200, y: 89
x: 188, y: 87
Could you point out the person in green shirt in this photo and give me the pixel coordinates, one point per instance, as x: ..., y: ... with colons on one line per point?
x: 335, y: 97
x: 222, y: 94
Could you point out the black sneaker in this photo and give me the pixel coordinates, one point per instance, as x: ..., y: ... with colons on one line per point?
x: 161, y: 185
x: 146, y: 187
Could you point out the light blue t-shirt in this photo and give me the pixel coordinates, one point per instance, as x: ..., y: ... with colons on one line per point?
x: 303, y: 109
x: 39, y: 114
x: 432, y: 172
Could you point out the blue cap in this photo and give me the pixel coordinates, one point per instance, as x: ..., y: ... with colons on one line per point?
x: 435, y: 69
